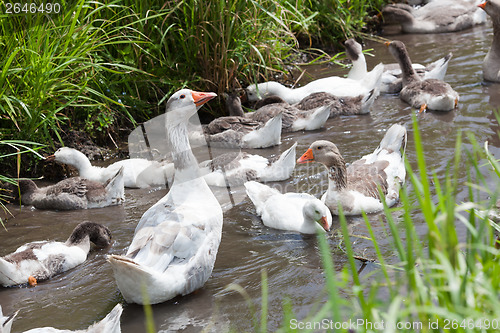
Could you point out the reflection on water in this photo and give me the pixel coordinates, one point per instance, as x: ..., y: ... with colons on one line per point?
x: 76, y: 299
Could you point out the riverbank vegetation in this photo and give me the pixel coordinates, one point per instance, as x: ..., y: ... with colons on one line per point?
x: 105, y: 66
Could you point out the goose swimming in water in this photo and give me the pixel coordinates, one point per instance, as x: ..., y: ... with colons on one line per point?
x: 73, y: 193
x: 42, y: 260
x: 175, y: 243
x: 355, y: 187
x: 299, y: 212
x: 422, y: 94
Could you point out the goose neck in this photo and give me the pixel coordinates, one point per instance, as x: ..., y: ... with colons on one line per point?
x: 337, y: 177
x: 185, y: 164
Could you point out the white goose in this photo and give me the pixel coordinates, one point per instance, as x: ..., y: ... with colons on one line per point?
x: 232, y: 169
x: 355, y: 187
x: 300, y: 212
x: 434, y: 17
x: 335, y: 85
x: 42, y: 260
x: 491, y: 63
x: 109, y: 324
x: 392, y: 82
x: 6, y: 322
x: 425, y: 94
x: 133, y: 169
x: 176, y: 241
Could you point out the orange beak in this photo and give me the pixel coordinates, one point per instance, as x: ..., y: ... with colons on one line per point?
x: 32, y: 281
x: 324, y: 223
x: 387, y: 43
x: 482, y: 5
x: 50, y: 158
x: 307, y: 157
x: 201, y: 98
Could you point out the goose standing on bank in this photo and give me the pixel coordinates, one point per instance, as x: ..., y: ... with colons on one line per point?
x: 42, y: 260
x: 133, y: 169
x: 300, y: 212
x: 175, y: 243
x: 434, y: 17
x: 73, y: 193
x: 355, y: 187
x: 491, y: 63
x: 422, y: 94
x: 392, y: 82
x: 335, y: 85
x: 109, y: 324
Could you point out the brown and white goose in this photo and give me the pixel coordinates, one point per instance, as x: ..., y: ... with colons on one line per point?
x: 73, y: 193
x: 355, y: 187
x: 239, y: 132
x: 42, y: 260
x: 420, y: 93
x: 293, y: 119
x: 176, y: 241
x: 392, y: 82
x: 434, y: 17
x: 491, y: 63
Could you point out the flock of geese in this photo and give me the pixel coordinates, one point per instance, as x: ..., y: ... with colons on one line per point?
x: 175, y: 243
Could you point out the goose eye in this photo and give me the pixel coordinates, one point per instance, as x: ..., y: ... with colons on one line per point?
x: 182, y: 96
x: 319, y: 148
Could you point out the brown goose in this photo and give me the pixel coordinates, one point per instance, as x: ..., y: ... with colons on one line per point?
x: 424, y: 94
x: 73, y: 193
x: 491, y: 63
x: 355, y: 187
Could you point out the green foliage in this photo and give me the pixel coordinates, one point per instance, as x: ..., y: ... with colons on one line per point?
x: 440, y: 282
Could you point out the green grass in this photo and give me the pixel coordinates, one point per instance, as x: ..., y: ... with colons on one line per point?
x: 438, y: 282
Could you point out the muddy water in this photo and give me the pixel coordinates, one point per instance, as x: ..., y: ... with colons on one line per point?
x: 75, y: 299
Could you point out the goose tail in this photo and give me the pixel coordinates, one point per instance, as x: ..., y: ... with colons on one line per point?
x: 394, y: 139
x: 282, y: 168
x: 367, y: 101
x: 115, y: 187
x: 110, y: 323
x: 266, y: 136
x: 259, y: 194
x: 9, y: 275
x: 373, y: 79
x: 318, y: 118
x: 6, y: 321
x: 437, y: 69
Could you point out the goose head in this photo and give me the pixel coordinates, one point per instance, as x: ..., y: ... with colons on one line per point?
x: 185, y: 103
x: 398, y: 50
x: 27, y: 186
x: 97, y: 233
x: 262, y: 90
x: 70, y: 156
x: 315, y: 210
x: 352, y: 49
x: 492, y: 8
x: 327, y: 153
x: 324, y: 152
